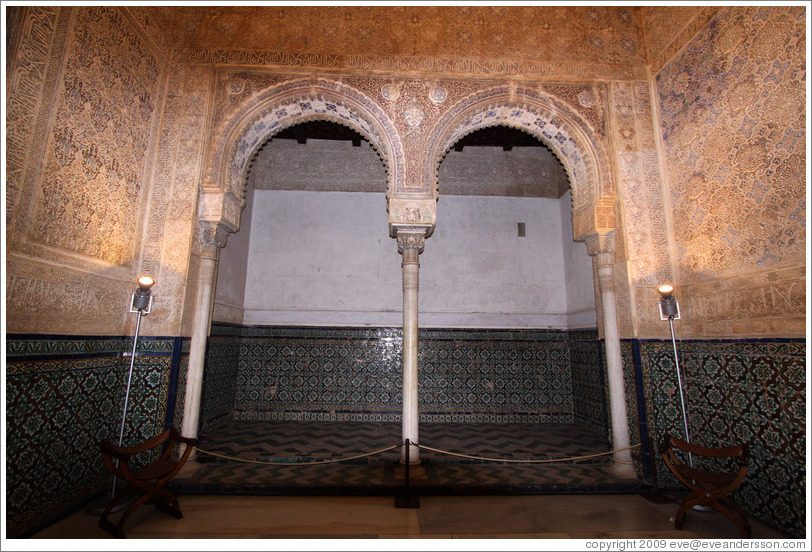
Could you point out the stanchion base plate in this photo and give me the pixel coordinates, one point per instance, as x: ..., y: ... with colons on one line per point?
x: 407, y: 501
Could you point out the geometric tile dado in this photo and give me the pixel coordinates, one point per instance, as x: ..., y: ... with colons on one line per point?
x: 64, y: 394
x: 355, y: 374
x: 752, y: 392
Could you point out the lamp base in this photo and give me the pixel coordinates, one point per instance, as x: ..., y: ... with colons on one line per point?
x: 96, y: 506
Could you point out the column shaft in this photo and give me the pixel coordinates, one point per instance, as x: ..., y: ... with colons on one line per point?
x: 197, y: 347
x: 212, y: 238
x: 410, y: 246
x: 623, y: 466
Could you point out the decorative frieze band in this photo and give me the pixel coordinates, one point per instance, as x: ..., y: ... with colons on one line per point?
x: 769, y: 302
x: 457, y: 66
x: 754, y: 308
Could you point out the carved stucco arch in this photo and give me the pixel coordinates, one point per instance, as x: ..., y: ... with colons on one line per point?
x: 243, y: 133
x: 571, y: 138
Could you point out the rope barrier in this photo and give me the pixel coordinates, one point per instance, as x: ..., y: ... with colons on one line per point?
x: 399, y: 445
x: 245, y: 460
x: 544, y: 461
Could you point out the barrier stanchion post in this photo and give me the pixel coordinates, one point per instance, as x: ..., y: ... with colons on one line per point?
x: 406, y: 497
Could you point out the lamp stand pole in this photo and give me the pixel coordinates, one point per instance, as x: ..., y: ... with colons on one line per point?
x: 127, y: 394
x: 679, y: 384
x: 96, y: 507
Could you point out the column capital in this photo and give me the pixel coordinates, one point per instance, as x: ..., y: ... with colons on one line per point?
x: 212, y: 238
x: 411, y: 238
x: 600, y: 243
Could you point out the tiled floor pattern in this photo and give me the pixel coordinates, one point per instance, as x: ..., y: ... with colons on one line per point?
x: 272, y: 457
x: 305, y: 441
x: 458, y: 499
x: 536, y: 517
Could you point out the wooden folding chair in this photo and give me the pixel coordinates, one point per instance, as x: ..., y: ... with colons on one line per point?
x: 708, y: 488
x: 148, y: 481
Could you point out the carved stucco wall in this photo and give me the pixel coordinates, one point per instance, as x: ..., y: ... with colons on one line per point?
x: 669, y: 28
x: 598, y: 73
x: 85, y: 96
x: 176, y: 178
x: 501, y: 40
x: 732, y: 117
x: 643, y: 240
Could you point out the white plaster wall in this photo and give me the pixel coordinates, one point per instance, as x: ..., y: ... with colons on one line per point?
x: 232, y: 269
x: 478, y: 272
x: 581, y: 311
x: 322, y: 258
x: 325, y: 258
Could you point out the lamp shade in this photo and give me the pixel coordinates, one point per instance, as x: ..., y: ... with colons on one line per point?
x: 145, y: 282
x: 665, y: 290
x: 141, y: 297
x: 668, y: 305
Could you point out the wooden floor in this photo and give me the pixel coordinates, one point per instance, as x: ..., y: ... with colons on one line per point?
x: 546, y: 517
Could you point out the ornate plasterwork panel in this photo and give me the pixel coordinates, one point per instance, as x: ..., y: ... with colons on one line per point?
x: 640, y: 185
x: 31, y: 79
x: 87, y: 90
x: 733, y: 126
x: 669, y: 28
x: 91, y: 181
x: 646, y: 234
x: 146, y: 17
x: 171, y: 219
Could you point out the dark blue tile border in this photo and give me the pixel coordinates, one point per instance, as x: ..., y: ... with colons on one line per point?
x: 174, y: 375
x: 642, y: 420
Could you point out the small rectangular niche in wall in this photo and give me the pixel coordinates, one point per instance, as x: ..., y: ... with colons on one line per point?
x: 521, y: 230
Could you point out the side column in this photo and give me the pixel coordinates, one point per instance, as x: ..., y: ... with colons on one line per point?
x: 212, y: 238
x: 410, y: 245
x: 602, y: 248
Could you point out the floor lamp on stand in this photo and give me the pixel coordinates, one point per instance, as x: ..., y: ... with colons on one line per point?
x: 141, y: 304
x: 669, y: 310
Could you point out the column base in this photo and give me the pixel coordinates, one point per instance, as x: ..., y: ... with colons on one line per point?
x: 623, y: 471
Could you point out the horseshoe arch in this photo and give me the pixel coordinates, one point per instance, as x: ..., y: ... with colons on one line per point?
x: 573, y: 140
x: 242, y: 134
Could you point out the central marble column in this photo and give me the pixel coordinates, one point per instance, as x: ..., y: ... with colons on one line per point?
x: 602, y: 250
x: 212, y: 239
x: 410, y: 245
